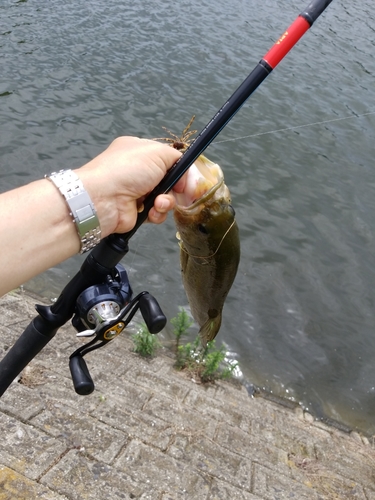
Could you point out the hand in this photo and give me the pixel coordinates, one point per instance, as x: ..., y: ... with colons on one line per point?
x: 120, y: 178
x: 38, y: 233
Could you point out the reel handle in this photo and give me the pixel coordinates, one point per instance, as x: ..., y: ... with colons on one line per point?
x: 153, y: 317
x: 82, y: 381
x: 152, y: 314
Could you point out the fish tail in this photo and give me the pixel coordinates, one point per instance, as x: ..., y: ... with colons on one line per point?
x: 210, y: 328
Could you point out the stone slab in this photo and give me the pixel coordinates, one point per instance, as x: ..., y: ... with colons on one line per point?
x: 83, y: 432
x: 149, y: 432
x: 144, y: 463
x: 80, y: 478
x: 14, y: 486
x: 26, y: 449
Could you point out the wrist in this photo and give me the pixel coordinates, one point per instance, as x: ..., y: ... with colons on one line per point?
x: 104, y: 200
x: 81, y: 207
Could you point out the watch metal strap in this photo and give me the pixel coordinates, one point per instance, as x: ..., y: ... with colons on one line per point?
x: 80, y: 205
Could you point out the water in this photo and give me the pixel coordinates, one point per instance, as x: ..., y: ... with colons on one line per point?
x: 300, y: 316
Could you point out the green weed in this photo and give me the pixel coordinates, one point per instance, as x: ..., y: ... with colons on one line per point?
x: 145, y: 343
x: 181, y: 325
x: 205, y: 363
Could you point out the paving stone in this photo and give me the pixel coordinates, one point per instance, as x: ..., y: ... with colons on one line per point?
x: 8, y: 337
x: 134, y: 362
x: 55, y: 356
x: 21, y: 401
x: 252, y: 448
x: 146, y: 464
x: 132, y: 396
x: 326, y: 483
x: 15, y: 308
x: 266, y: 412
x: 181, y: 417
x: 159, y: 383
x: 230, y: 391
x: 217, y: 409
x: 80, y: 478
x: 298, y: 439
x: 224, y: 491
x: 177, y: 496
x: 347, y: 458
x: 58, y: 392
x: 81, y: 431
x: 269, y: 485
x: 148, y: 432
x: 14, y: 486
x: 210, y: 458
x: 300, y: 427
x: 26, y: 449
x: 137, y: 423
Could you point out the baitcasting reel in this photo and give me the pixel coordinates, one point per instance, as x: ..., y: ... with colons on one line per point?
x: 102, y: 312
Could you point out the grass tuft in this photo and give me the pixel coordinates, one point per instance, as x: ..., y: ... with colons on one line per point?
x: 205, y: 364
x: 145, y: 343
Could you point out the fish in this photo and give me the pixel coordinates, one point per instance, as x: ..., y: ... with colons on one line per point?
x: 208, y: 237
x: 209, y: 243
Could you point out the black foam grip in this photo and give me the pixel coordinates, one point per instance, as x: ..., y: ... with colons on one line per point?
x: 29, y: 344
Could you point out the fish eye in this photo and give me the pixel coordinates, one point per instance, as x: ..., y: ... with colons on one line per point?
x: 232, y: 210
x: 202, y: 229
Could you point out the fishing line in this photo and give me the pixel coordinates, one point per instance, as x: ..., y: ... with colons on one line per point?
x: 293, y: 128
x: 206, y: 256
x: 266, y: 65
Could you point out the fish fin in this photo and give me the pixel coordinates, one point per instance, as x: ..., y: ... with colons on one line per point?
x: 210, y: 329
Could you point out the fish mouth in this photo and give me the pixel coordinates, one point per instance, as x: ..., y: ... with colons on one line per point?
x: 203, y: 179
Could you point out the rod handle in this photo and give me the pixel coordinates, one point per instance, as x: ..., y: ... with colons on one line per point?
x: 28, y: 345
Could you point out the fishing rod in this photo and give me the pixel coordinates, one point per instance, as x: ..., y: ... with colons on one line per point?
x: 101, y: 280
x: 269, y: 62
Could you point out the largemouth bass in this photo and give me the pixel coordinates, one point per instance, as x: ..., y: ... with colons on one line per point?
x: 209, y: 244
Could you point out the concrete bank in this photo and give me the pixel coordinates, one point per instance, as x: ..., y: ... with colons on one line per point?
x: 148, y: 432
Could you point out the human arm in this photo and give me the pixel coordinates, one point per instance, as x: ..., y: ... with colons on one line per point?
x: 36, y: 230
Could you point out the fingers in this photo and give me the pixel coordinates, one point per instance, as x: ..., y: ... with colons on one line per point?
x: 119, y: 179
x: 162, y: 155
x: 162, y: 205
x: 164, y: 202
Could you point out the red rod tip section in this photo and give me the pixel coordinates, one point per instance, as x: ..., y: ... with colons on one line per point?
x: 286, y: 42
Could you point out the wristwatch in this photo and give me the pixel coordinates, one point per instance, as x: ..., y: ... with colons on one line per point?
x: 80, y: 205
